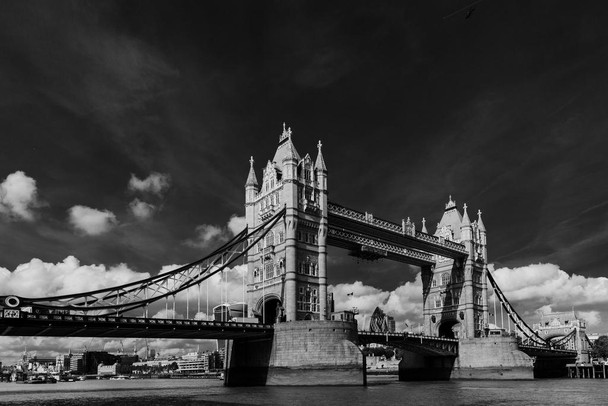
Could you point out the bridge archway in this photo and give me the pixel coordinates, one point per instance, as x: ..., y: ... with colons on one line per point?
x: 270, y: 308
x: 449, y: 329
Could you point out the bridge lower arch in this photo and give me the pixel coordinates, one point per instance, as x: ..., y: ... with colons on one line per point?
x: 269, y: 308
x: 449, y: 329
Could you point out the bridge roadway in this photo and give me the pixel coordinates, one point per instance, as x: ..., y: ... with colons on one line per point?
x: 64, y: 325
x: 427, y: 345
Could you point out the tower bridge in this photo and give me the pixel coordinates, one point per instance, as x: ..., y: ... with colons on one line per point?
x: 287, y: 336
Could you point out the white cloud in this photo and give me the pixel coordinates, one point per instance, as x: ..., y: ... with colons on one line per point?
x: 91, y: 221
x: 545, y: 288
x: 236, y: 224
x: 547, y: 284
x: 42, y: 279
x: 404, y: 303
x: 18, y: 196
x: 141, y: 209
x: 209, y: 234
x: 155, y: 183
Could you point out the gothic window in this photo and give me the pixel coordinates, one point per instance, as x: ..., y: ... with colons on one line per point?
x: 307, y: 174
x: 278, y: 198
x: 281, y: 237
x: 445, y: 279
x: 437, y: 301
x: 434, y: 282
x: 269, y: 268
x: 269, y: 239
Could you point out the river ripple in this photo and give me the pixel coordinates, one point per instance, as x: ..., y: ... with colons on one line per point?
x: 380, y: 391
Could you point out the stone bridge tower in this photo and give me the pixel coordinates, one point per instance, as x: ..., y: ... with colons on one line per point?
x: 455, y: 292
x: 287, y: 272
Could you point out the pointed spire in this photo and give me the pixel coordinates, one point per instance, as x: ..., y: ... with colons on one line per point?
x: 450, y: 204
x: 251, y: 179
x: 320, y: 163
x: 465, y: 217
x: 424, y: 226
x: 480, y: 224
x: 286, y: 149
x: 286, y: 133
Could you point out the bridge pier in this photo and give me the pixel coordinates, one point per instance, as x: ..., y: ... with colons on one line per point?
x: 301, y: 353
x: 478, y: 358
x: 491, y: 358
x: 419, y: 367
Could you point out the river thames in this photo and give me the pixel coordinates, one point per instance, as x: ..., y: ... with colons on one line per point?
x: 380, y: 391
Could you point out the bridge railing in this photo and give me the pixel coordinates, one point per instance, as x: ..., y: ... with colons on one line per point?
x: 141, y: 320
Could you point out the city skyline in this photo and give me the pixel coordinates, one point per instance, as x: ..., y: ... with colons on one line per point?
x: 128, y: 129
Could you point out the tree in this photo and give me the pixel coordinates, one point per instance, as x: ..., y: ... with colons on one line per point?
x: 600, y: 348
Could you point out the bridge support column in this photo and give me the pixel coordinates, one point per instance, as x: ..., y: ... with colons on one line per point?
x: 491, y: 358
x: 316, y: 353
x: 300, y: 353
x: 247, y: 362
x: 419, y: 367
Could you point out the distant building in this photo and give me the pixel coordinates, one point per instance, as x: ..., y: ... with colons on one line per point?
x: 346, y: 315
x: 381, y: 323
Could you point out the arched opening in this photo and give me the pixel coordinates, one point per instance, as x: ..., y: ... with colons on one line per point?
x: 449, y: 329
x: 272, y: 309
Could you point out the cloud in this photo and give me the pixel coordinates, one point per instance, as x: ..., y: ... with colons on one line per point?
x: 404, y: 303
x: 208, y: 234
x: 155, y: 183
x: 37, y: 278
x: 236, y: 224
x: 141, y: 209
x: 18, y: 196
x: 546, y: 288
x: 91, y: 221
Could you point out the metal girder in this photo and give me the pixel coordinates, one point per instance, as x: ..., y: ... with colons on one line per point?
x: 402, y: 235
x: 109, y: 326
x: 138, y: 294
x: 428, y: 345
x: 347, y: 239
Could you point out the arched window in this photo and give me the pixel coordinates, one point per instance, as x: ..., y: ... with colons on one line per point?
x: 269, y: 239
x: 445, y: 279
x: 434, y: 282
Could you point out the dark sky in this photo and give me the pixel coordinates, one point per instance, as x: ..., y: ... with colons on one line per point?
x: 504, y: 110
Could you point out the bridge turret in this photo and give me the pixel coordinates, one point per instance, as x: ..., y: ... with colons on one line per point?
x: 466, y: 231
x: 482, y: 237
x: 321, y: 185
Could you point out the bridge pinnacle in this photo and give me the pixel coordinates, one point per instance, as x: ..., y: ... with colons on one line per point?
x: 320, y: 162
x: 424, y: 230
x: 480, y: 224
x: 252, y: 180
x: 465, y: 217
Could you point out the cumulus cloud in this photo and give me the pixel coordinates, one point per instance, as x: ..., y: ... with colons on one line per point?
x: 404, y: 303
x: 141, y: 209
x: 155, y: 183
x: 545, y: 288
x: 91, y: 221
x: 209, y: 234
x: 42, y: 279
x: 18, y: 196
x: 236, y: 224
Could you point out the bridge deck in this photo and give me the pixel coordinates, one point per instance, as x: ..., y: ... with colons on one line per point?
x: 109, y: 326
x: 429, y: 345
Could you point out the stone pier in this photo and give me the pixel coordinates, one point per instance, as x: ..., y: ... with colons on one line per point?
x: 491, y: 358
x: 300, y: 353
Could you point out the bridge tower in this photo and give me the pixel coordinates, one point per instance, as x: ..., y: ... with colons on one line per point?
x: 287, y: 272
x: 455, y: 300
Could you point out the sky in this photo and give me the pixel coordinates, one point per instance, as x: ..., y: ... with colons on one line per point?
x: 126, y: 129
